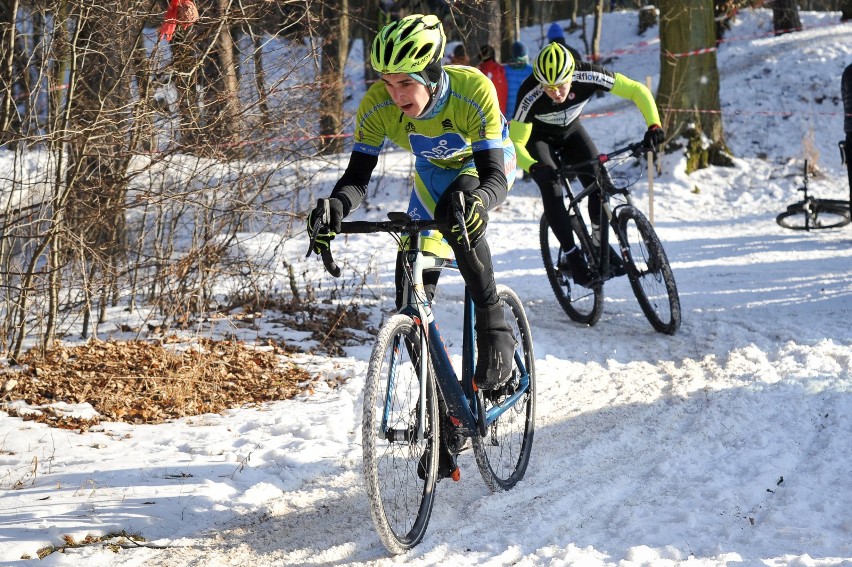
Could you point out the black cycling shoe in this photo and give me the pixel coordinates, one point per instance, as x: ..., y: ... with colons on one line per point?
x: 574, y: 262
x: 447, y: 467
x: 495, y: 348
x: 616, y: 265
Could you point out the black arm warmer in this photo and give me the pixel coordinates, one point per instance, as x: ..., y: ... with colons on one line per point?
x: 352, y: 186
x: 492, y: 179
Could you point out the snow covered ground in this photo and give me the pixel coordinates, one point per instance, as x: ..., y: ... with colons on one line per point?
x: 728, y: 443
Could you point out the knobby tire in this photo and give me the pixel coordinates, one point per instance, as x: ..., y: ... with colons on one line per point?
x: 582, y: 304
x: 504, y: 452
x: 649, y: 271
x: 400, y: 500
x: 827, y: 213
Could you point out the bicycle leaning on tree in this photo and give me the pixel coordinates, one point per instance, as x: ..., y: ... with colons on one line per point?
x: 641, y: 251
x: 417, y: 408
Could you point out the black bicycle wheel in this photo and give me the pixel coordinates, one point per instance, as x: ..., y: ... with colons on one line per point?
x: 649, y: 271
x: 400, y: 436
x: 581, y: 304
x: 825, y: 213
x: 504, y: 452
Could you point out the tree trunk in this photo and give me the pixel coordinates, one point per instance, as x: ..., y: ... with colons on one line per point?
x: 334, y: 31
x: 688, y: 94
x: 845, y: 10
x: 511, y: 30
x: 485, y: 26
x: 366, y: 27
x: 785, y: 17
x: 575, y: 8
x: 98, y: 154
x: 223, y: 130
x: 9, y: 120
x: 596, y: 33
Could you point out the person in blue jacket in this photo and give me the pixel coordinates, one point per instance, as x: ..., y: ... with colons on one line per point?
x: 555, y: 34
x: 517, y: 69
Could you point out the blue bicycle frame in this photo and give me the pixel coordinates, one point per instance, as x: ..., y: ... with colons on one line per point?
x: 464, y: 404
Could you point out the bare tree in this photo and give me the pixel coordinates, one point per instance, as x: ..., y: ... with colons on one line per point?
x: 484, y: 19
x: 688, y: 93
x: 334, y: 34
x: 845, y: 10
x: 785, y: 16
x: 124, y: 187
x: 596, y: 34
x: 10, y: 73
x: 511, y: 28
x: 99, y: 110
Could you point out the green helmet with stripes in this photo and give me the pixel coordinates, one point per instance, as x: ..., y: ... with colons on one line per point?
x: 408, y: 45
x: 554, y: 65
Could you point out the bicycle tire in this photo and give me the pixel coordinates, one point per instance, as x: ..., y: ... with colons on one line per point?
x: 581, y: 304
x: 828, y: 213
x: 503, y: 454
x: 400, y: 500
x: 649, y: 271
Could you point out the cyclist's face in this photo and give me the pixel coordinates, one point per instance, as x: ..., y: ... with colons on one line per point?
x: 558, y: 93
x: 409, y: 95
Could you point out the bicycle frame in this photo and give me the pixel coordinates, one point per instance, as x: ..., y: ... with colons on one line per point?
x: 459, y: 395
x: 608, y: 212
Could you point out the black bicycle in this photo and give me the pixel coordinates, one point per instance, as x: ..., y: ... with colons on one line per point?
x: 642, y: 253
x: 812, y: 213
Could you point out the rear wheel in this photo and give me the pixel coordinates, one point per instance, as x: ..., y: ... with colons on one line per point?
x: 400, y: 436
x: 503, y: 453
x: 649, y: 271
x: 581, y: 304
x: 825, y: 213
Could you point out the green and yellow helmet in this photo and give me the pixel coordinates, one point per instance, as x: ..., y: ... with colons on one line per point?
x: 408, y: 45
x: 554, y: 65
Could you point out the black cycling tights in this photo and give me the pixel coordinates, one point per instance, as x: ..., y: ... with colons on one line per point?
x: 575, y: 147
x: 482, y: 287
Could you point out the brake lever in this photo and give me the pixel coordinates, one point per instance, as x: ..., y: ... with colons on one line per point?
x: 322, y: 222
x: 458, y: 212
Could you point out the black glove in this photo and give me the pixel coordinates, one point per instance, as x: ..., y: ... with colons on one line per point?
x: 322, y: 230
x: 475, y: 220
x: 543, y: 174
x: 654, y: 136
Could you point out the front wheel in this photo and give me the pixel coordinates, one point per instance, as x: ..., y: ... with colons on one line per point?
x: 581, y: 304
x: 400, y: 435
x: 649, y: 271
x: 815, y: 214
x: 503, y: 453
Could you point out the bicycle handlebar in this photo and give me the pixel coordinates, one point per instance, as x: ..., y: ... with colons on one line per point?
x: 636, y: 149
x: 398, y: 222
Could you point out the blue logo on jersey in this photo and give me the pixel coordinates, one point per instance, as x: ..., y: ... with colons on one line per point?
x: 441, y: 147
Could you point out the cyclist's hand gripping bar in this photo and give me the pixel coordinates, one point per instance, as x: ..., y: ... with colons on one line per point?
x: 320, y: 225
x: 458, y: 214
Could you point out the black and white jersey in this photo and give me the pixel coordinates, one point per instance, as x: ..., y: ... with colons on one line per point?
x: 551, y: 119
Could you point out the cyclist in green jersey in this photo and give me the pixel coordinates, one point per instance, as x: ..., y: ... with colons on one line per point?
x: 449, y: 118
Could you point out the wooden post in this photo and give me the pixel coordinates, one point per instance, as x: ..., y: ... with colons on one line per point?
x: 650, y: 174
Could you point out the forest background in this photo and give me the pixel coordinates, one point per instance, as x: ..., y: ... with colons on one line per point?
x: 139, y: 163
